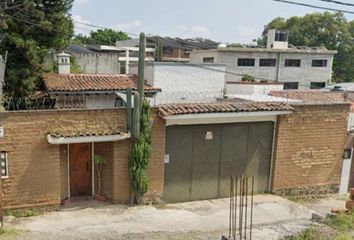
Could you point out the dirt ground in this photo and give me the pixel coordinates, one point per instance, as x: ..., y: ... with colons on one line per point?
x: 274, y: 217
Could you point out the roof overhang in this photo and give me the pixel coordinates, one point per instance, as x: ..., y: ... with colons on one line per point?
x: 87, y: 139
x: 215, y: 118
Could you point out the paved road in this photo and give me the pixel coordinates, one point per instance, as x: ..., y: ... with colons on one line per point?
x: 273, y: 217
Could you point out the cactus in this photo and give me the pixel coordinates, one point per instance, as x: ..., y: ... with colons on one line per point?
x: 136, y: 116
x: 140, y: 126
x: 139, y: 157
x: 141, y: 69
x: 129, y: 110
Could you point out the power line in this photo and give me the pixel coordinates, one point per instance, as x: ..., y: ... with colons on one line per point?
x: 100, y: 27
x: 314, y: 6
x: 338, y: 2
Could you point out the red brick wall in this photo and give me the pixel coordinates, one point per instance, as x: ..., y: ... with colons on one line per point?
x: 309, y: 147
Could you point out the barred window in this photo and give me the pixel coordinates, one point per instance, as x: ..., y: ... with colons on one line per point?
x: 292, y: 63
x: 246, y: 62
x: 319, y: 63
x: 267, y: 62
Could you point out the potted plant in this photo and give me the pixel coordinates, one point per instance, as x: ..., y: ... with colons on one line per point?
x: 99, y: 161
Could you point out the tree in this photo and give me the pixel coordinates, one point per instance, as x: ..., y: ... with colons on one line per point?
x: 332, y: 31
x: 28, y: 34
x: 102, y: 37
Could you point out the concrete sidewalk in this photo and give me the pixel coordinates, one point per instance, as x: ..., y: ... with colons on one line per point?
x: 273, y: 217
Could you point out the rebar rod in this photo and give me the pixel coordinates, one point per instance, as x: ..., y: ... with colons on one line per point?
x: 246, y: 193
x: 235, y: 205
x: 251, y: 220
x: 241, y: 207
x: 231, y: 206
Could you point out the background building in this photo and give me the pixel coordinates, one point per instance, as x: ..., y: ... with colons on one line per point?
x: 296, y: 67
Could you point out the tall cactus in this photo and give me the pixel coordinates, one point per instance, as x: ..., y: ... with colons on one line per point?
x: 140, y: 154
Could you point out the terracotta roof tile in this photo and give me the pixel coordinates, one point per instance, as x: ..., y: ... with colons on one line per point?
x: 221, y: 107
x: 91, y: 82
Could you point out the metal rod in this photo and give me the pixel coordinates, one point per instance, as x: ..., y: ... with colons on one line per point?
x: 246, y: 193
x: 241, y: 207
x: 235, y: 220
x: 231, y: 210
x: 251, y: 220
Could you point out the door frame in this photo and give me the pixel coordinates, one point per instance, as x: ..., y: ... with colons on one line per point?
x: 92, y: 169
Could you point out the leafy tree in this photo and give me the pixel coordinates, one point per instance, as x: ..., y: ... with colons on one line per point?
x: 101, y: 36
x: 332, y: 31
x: 28, y: 33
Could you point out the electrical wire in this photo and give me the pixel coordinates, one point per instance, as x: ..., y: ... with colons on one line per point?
x: 100, y: 27
x: 314, y: 6
x: 338, y: 2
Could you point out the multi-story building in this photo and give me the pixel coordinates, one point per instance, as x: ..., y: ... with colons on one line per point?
x: 296, y: 67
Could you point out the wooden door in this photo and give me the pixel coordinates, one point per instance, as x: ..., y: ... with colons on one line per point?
x: 80, y: 169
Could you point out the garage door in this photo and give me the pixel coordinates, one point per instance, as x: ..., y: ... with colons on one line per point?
x: 201, y: 158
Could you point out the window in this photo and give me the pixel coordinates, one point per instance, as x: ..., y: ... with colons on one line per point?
x: 317, y: 85
x: 291, y: 85
x: 281, y: 36
x: 319, y: 63
x: 292, y: 62
x: 245, y: 62
x: 119, y: 103
x: 4, y: 165
x: 122, y: 69
x: 208, y: 60
x: 167, y: 50
x: 267, y: 62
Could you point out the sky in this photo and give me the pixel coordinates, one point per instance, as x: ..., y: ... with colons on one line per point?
x: 231, y: 21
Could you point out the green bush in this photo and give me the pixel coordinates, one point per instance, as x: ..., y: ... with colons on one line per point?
x: 248, y: 78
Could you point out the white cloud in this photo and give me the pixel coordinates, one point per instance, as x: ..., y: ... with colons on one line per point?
x: 247, y: 32
x: 136, y: 24
x: 190, y: 31
x: 80, y: 28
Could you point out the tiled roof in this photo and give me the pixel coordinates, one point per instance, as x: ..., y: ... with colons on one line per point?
x: 221, y: 107
x: 98, y: 130
x: 91, y: 82
x: 311, y: 96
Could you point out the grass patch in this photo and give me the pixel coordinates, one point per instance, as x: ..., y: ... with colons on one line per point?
x: 342, y: 222
x: 339, y: 227
x: 309, y: 234
x: 5, y: 233
x: 24, y: 213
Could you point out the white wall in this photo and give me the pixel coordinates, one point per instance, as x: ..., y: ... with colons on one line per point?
x: 249, y: 89
x: 304, y: 74
x: 181, y: 82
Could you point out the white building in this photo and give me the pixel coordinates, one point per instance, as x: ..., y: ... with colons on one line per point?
x: 296, y: 67
x: 185, y: 83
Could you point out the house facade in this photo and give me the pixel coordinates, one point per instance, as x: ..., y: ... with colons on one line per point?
x: 196, y: 147
x: 296, y: 67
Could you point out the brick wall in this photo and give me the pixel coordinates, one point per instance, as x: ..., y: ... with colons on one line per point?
x: 121, y: 193
x: 37, y: 170
x: 309, y: 148
x: 106, y: 150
